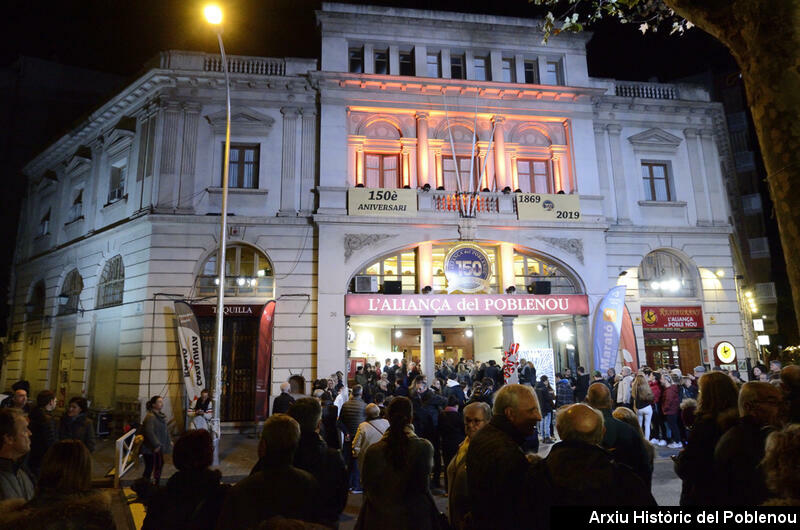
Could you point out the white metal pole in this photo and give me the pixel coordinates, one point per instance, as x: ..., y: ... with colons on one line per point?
x: 223, y: 232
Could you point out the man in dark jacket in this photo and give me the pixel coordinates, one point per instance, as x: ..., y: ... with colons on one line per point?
x: 546, y: 397
x: 282, y: 402
x: 15, y: 442
x: 325, y: 464
x: 496, y: 464
x: 352, y: 415
x: 427, y: 406
x: 43, y: 427
x: 453, y: 388
x: 739, y: 452
x: 279, y: 489
x: 620, y: 439
x: 577, y: 471
x: 495, y: 374
x: 582, y: 385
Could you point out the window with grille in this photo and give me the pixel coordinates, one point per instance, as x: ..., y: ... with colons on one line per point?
x: 481, y: 67
x: 381, y: 61
x: 248, y: 272
x: 656, y: 181
x: 532, y: 72
x: 406, y: 63
x: 451, y: 177
x: 243, y: 166
x: 432, y: 65
x: 70, y: 293
x: 663, y: 274
x: 111, y: 284
x: 356, y: 60
x: 534, y: 175
x: 44, y: 225
x: 382, y: 171
x: 532, y: 273
x: 457, y: 70
x: 509, y: 75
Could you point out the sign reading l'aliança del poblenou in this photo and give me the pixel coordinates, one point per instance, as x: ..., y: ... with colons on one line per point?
x: 672, y: 318
x: 466, y: 304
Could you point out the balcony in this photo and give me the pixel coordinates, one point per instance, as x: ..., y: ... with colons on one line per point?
x: 451, y: 202
x: 237, y: 64
x: 765, y: 293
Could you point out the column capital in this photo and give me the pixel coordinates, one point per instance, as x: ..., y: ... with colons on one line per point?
x: 706, y: 133
x: 614, y: 128
x: 505, y: 319
x: 191, y: 106
x: 599, y: 128
x: 690, y: 132
x: 290, y: 112
x: 421, y: 115
x: 498, y: 119
x: 308, y: 112
x: 427, y: 319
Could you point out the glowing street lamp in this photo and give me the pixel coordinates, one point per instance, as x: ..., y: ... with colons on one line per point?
x: 213, y: 15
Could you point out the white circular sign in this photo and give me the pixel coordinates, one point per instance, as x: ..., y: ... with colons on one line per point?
x: 725, y: 352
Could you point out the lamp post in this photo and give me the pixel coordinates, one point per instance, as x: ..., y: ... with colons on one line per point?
x: 214, y: 17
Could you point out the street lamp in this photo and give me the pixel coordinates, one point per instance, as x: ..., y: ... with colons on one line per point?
x: 213, y: 15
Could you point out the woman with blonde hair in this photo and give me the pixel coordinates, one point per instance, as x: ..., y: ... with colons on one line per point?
x: 64, y: 497
x: 642, y: 397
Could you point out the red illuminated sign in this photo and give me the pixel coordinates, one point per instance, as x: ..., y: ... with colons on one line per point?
x: 672, y: 318
x: 466, y: 304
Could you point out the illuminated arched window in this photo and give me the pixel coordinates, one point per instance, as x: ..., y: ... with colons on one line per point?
x: 663, y: 273
x: 70, y: 293
x: 537, y: 275
x: 111, y: 284
x: 400, y: 267
x: 248, y: 272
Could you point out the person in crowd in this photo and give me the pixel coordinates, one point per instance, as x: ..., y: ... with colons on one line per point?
x: 546, y: 397
x: 740, y: 480
x: 564, y: 391
x: 297, y: 386
x: 774, y: 369
x: 688, y: 388
x: 573, y: 381
x: 620, y: 439
x: 427, y: 406
x: 717, y: 410
x: 790, y: 376
x: 401, y: 385
x: 157, y: 442
x: 476, y: 417
x: 412, y: 374
x: 623, y: 394
x: 737, y: 378
x: 353, y: 414
x: 495, y: 458
x: 483, y: 391
x: 670, y: 407
x: 278, y: 488
x: 64, y: 498
x: 581, y: 385
x: 396, y: 477
x: 193, y: 496
x: 451, y: 432
x: 757, y: 371
x: 323, y: 463
x: 642, y: 397
x: 388, y: 367
x: 330, y: 423
x: 578, y: 471
x: 44, y: 429
x: 18, y: 397
x: 464, y: 373
x: 780, y: 464
x: 626, y: 415
x: 369, y: 432
x: 611, y: 377
x: 527, y: 373
x: 75, y: 424
x: 698, y: 372
x: 16, y: 481
x: 687, y: 415
x: 380, y: 402
x: 281, y: 403
x: 454, y: 389
x: 495, y: 373
x: 203, y: 411
x: 361, y: 377
x: 658, y: 433
x: 340, y: 399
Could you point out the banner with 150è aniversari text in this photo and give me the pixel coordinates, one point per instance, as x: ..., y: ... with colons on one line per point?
x: 382, y: 202
x: 607, y: 325
x: 191, y: 350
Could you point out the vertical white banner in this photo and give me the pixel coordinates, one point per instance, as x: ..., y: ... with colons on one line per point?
x: 190, y: 350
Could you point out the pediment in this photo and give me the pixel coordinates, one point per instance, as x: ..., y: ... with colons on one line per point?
x: 82, y: 157
x: 46, y: 179
x: 244, y: 120
x: 124, y: 130
x: 655, y: 140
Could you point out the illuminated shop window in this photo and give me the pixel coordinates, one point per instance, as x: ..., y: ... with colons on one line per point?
x: 248, y: 272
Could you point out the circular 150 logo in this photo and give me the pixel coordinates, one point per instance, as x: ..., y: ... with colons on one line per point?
x: 467, y: 269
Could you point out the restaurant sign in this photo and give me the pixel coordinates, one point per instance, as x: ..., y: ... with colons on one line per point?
x: 548, y: 207
x: 382, y: 202
x: 466, y: 304
x: 672, y: 318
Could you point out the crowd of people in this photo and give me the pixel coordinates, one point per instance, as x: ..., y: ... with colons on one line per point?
x: 398, y: 435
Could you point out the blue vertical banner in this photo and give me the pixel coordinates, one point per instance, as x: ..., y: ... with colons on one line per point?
x: 607, y: 325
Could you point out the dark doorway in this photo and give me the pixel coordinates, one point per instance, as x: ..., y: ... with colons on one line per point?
x: 239, y: 347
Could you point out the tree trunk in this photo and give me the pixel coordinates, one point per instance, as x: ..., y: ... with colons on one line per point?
x: 764, y: 37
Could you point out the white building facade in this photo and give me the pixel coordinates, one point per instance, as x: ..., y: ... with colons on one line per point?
x: 122, y: 214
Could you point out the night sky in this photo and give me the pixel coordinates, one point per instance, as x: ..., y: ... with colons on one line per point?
x: 120, y: 36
